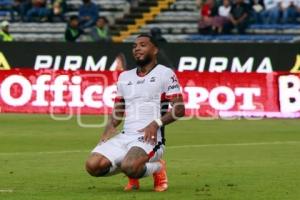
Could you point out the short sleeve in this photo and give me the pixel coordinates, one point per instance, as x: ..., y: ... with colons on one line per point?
x: 119, y: 90
x: 119, y: 95
x: 171, y: 85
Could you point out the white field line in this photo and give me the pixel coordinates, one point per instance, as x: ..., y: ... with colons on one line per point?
x: 42, y: 152
x: 168, y: 147
x: 233, y: 144
x: 6, y: 191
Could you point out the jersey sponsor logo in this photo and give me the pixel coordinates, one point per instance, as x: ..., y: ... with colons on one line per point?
x: 140, y: 81
x: 174, y: 79
x: 172, y: 87
x: 152, y: 79
x: 129, y: 83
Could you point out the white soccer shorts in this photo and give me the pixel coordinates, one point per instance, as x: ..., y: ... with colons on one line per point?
x: 116, y: 148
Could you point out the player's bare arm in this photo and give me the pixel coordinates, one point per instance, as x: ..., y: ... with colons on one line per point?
x: 175, y: 113
x: 114, y: 120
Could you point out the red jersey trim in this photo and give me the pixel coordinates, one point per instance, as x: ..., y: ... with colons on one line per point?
x: 172, y: 96
x: 119, y: 99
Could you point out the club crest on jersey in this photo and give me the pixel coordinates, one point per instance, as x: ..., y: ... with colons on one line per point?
x: 129, y: 83
x: 152, y: 79
x: 140, y: 81
x: 173, y: 78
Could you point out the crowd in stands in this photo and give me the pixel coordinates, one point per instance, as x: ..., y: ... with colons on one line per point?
x: 85, y: 25
x: 216, y: 16
x: 222, y: 16
x: 97, y: 33
x: 88, y: 22
x: 34, y: 10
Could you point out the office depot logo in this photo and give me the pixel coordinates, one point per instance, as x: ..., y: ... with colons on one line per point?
x: 198, y: 96
x: 69, y: 91
x: 59, y: 91
x: 205, y: 94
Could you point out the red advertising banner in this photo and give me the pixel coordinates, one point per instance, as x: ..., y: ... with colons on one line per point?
x: 205, y: 94
x: 63, y: 92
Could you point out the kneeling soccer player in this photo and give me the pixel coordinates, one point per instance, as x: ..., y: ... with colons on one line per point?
x: 138, y: 149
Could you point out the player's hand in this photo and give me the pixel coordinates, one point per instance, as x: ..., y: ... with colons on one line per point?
x: 150, y: 133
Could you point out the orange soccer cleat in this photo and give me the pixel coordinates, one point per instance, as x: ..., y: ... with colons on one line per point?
x: 160, y: 178
x: 133, y: 184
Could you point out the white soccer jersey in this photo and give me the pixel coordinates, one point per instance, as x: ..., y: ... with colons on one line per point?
x: 143, y: 95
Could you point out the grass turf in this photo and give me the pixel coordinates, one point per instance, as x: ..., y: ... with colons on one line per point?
x: 42, y: 158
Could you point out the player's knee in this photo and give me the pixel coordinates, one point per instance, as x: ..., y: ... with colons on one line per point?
x: 91, y: 167
x: 97, y: 167
x: 128, y: 169
x: 131, y: 169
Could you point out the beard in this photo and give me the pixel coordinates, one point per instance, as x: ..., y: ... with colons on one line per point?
x: 143, y: 62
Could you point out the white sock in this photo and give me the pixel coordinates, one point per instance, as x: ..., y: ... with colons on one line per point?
x: 151, y: 168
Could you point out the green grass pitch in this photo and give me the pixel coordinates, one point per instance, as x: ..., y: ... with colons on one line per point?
x: 42, y: 158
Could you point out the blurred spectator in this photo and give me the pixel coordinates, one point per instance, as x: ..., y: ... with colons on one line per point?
x: 208, y: 11
x: 58, y: 9
x: 21, y: 7
x: 290, y: 11
x: 133, y: 3
x: 223, y: 17
x: 5, y: 36
x: 73, y: 32
x: 39, y: 11
x: 7, y: 6
x: 157, y: 35
x: 272, y: 11
x: 281, y: 11
x: 258, y: 8
x: 239, y: 14
x: 88, y: 14
x: 100, y: 32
